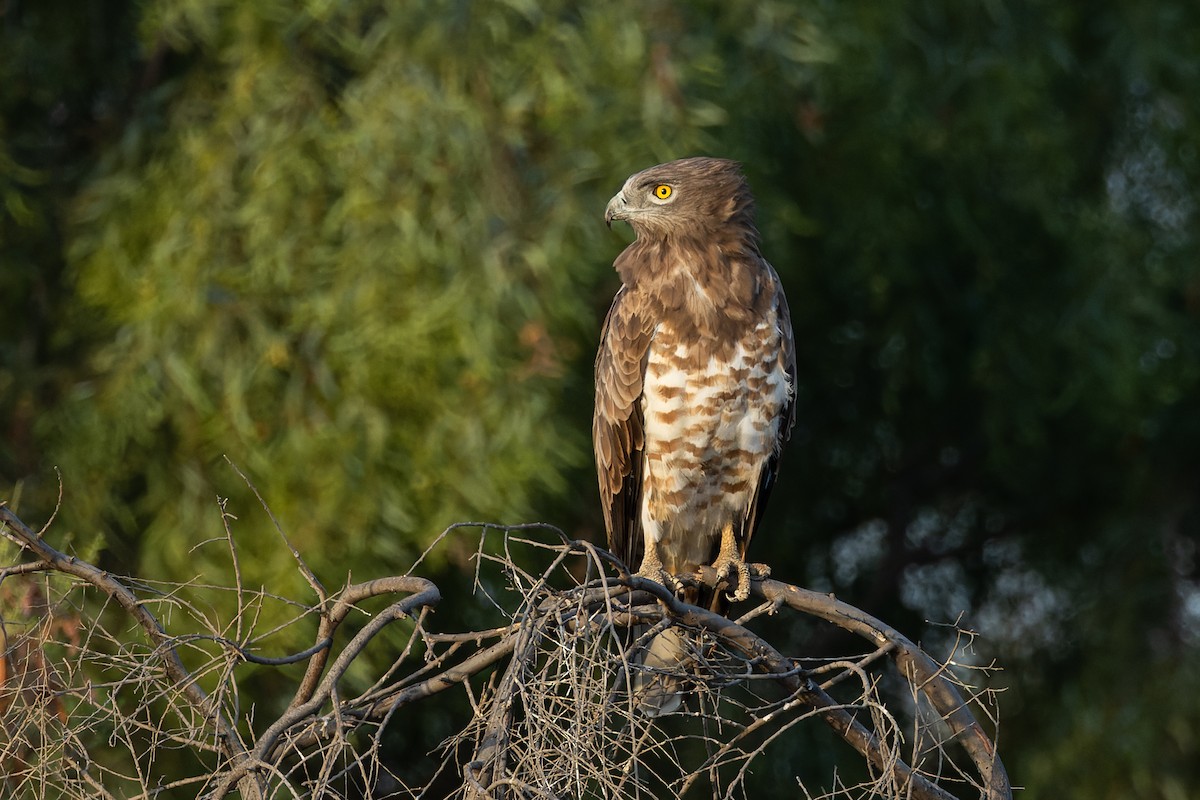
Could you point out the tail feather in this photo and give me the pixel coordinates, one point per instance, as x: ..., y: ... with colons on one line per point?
x: 656, y: 688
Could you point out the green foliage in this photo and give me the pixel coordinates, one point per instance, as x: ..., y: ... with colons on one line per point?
x: 57, y: 98
x: 342, y: 248
x: 998, y: 305
x: 356, y: 248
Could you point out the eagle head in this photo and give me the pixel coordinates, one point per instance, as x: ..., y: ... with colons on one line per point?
x: 687, y: 197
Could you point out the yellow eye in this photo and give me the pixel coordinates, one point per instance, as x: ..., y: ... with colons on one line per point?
x: 662, y: 191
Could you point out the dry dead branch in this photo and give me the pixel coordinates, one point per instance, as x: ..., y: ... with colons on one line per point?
x: 101, y: 696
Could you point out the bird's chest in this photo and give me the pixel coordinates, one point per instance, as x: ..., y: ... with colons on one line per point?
x: 712, y: 415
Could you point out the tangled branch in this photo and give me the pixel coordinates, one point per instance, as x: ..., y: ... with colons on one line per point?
x: 89, y: 707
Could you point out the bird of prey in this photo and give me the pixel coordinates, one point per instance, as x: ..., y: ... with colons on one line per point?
x: 695, y: 387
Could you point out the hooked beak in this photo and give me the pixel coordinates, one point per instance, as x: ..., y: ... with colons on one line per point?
x: 615, y: 209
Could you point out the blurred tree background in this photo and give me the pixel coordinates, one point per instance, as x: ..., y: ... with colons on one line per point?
x: 357, y: 248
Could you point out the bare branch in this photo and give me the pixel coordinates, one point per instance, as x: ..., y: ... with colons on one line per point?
x: 552, y: 714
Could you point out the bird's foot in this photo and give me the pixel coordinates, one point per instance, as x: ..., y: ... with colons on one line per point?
x: 736, y: 574
x: 731, y: 568
x: 660, y: 575
x: 759, y: 572
x: 652, y: 568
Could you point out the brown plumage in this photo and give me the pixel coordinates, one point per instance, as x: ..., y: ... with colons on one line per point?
x: 694, y: 388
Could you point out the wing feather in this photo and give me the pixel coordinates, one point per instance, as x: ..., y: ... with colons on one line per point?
x: 618, y: 437
x: 770, y: 470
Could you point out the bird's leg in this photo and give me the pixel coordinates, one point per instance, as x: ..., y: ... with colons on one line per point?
x: 652, y: 567
x: 730, y: 566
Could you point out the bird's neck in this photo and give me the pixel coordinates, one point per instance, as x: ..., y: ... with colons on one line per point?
x: 714, y: 281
